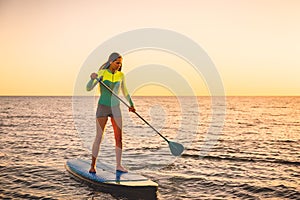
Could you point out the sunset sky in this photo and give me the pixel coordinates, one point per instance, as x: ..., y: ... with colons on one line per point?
x: 254, y: 44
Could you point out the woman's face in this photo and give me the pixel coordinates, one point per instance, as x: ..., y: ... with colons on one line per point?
x: 115, y: 65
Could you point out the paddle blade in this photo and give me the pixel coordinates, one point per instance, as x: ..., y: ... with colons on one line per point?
x: 176, y: 148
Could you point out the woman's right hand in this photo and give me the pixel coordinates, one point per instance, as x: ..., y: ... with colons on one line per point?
x: 94, y: 76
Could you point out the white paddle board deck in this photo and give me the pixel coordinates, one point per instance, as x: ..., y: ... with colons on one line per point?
x: 108, y: 179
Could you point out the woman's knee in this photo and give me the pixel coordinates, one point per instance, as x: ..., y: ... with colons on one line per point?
x: 118, y: 139
x: 119, y: 144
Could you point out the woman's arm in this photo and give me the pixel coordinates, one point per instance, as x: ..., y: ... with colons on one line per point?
x: 93, y: 82
x: 125, y: 92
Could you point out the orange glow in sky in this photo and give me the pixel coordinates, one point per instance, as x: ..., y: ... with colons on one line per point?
x: 254, y: 44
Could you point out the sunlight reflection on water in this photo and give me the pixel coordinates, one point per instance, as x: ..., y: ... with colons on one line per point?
x: 257, y: 155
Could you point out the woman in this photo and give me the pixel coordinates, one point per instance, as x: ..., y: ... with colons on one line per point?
x: 109, y: 106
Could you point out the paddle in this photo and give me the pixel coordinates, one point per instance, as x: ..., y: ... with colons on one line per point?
x: 176, y: 148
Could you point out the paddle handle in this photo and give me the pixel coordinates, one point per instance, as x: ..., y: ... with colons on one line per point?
x: 126, y: 104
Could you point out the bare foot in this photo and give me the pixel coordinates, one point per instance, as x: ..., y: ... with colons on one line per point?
x: 92, y: 170
x: 122, y: 169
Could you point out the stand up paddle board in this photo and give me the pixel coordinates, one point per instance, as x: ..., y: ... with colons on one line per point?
x: 107, y: 179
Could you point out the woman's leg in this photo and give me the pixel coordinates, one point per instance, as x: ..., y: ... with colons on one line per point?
x: 100, y: 126
x: 117, y: 125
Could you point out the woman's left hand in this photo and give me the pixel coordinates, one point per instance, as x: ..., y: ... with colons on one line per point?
x: 131, y: 109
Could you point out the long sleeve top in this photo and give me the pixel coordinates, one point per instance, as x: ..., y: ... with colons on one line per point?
x: 115, y: 81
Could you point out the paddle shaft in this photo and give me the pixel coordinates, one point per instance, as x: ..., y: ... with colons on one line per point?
x: 103, y: 84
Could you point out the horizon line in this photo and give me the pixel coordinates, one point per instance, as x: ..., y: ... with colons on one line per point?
x: 154, y: 96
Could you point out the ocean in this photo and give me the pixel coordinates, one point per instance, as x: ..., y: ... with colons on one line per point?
x: 254, y: 153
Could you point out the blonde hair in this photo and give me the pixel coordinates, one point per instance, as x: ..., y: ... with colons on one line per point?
x: 112, y: 57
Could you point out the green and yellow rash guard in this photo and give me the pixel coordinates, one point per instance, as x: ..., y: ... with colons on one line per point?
x: 114, y: 82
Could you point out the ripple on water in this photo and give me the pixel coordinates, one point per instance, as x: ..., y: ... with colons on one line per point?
x: 255, y: 157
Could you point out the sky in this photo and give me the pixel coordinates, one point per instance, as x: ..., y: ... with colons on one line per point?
x: 254, y: 44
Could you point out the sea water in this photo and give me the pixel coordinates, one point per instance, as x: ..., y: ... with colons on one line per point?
x: 256, y: 155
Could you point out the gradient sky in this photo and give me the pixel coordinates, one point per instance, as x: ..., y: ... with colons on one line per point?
x: 254, y: 44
